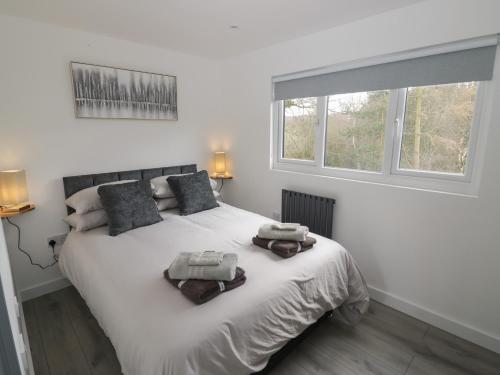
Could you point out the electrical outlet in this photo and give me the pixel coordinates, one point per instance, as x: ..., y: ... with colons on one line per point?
x: 276, y: 216
x: 58, y: 238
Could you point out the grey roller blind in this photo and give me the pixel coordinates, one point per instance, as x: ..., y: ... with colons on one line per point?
x: 468, y: 65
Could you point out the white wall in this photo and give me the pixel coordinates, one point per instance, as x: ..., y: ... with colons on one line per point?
x: 39, y: 132
x: 433, y: 255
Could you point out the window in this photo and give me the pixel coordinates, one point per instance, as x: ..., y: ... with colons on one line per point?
x: 355, y: 130
x: 425, y: 132
x: 436, y: 128
x: 412, y: 120
x: 299, y: 123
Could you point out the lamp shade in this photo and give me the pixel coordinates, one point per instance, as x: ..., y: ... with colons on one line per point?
x: 220, y: 162
x: 13, y: 189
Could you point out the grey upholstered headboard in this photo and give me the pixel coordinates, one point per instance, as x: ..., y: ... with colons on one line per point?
x: 72, y: 184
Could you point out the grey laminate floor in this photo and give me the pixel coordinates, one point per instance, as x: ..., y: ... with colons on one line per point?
x: 66, y: 339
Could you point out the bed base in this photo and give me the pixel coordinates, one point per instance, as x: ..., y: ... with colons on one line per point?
x: 279, y: 356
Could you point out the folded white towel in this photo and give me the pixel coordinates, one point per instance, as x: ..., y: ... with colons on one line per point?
x: 206, y: 258
x: 266, y: 231
x: 285, y: 226
x: 181, y: 270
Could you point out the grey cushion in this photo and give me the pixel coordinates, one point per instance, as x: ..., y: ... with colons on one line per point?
x: 193, y: 192
x: 88, y: 199
x: 128, y: 206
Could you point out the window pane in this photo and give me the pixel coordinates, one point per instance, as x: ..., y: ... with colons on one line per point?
x: 300, y: 119
x: 437, y: 127
x: 355, y: 130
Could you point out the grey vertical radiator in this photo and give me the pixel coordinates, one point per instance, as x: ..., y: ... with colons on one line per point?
x: 310, y: 210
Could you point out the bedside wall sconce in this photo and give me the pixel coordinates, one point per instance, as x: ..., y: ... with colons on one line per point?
x: 13, y: 191
x: 220, y: 163
x: 14, y: 202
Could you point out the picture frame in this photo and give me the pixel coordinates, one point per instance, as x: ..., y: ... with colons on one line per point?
x: 103, y: 92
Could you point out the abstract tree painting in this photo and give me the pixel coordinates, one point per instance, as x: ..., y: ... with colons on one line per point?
x: 113, y: 93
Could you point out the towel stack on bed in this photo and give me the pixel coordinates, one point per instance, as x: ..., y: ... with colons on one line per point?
x: 284, y: 239
x: 204, y: 275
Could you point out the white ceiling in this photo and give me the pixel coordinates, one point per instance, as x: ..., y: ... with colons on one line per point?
x: 201, y: 27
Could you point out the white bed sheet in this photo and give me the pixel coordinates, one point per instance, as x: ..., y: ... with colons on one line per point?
x: 157, y: 331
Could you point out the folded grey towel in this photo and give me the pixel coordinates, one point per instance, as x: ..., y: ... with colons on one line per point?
x: 225, y: 271
x: 206, y: 258
x: 267, y: 231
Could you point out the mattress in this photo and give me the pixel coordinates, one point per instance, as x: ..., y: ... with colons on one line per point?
x: 155, y: 330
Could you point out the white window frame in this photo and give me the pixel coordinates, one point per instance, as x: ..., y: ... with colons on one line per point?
x: 466, y: 184
x: 318, y: 131
x: 391, y: 174
x: 398, y: 139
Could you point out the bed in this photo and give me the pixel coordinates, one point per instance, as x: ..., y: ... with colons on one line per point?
x: 156, y: 331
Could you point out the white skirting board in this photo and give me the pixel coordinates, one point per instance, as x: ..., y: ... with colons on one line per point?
x: 43, y: 288
x: 435, y: 319
x: 428, y: 316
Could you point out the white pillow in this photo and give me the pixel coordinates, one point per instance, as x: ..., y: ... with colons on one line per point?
x: 161, y: 188
x: 88, y: 199
x: 213, y: 183
x: 166, y: 203
x: 90, y: 220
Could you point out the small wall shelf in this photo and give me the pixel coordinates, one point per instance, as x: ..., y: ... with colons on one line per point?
x: 6, y: 214
x: 215, y: 177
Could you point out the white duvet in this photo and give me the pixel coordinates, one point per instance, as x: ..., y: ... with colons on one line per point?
x: 157, y: 331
